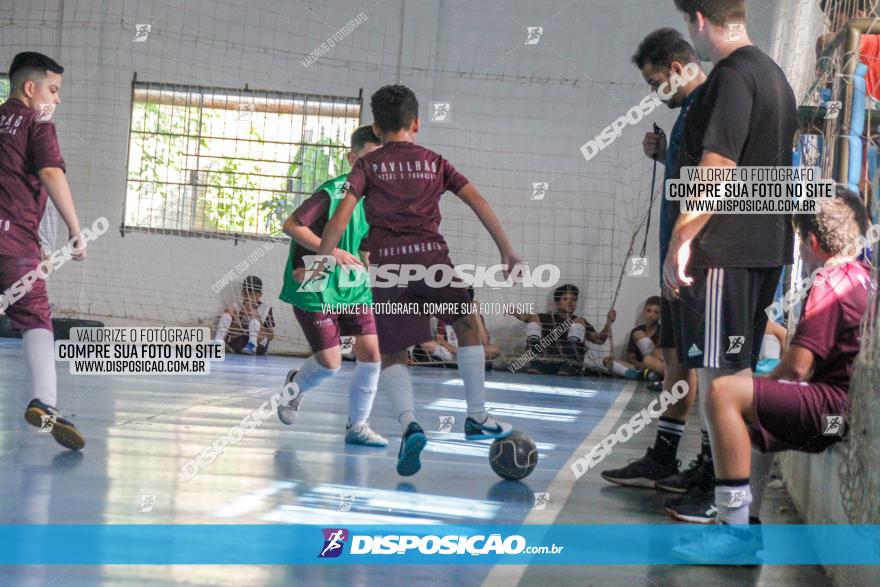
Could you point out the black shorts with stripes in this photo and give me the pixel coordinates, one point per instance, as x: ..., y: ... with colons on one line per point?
x: 722, y: 316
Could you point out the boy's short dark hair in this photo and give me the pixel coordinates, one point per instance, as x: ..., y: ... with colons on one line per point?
x: 662, y: 47
x: 252, y: 284
x: 394, y: 107
x: 24, y: 65
x: 565, y: 289
x: 362, y: 136
x: 652, y: 301
x: 838, y: 224
x: 719, y: 12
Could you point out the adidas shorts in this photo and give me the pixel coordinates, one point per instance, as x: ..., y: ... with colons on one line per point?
x: 670, y: 315
x: 722, y: 317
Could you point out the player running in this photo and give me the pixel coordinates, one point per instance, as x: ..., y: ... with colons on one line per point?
x: 401, y: 185
x: 32, y: 170
x: 322, y: 329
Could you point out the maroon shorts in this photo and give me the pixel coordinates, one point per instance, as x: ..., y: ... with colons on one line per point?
x: 401, y: 321
x: 797, y: 416
x: 32, y: 310
x: 323, y: 329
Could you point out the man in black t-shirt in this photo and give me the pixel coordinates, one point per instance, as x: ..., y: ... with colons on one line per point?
x: 725, y: 267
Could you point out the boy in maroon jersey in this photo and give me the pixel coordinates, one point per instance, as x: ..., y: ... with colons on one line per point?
x: 32, y: 170
x: 401, y: 184
x: 801, y: 404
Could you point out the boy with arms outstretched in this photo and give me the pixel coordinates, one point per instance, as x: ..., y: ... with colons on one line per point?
x: 401, y: 185
x: 32, y: 170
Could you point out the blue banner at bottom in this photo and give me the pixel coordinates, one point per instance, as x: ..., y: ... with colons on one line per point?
x: 641, y: 544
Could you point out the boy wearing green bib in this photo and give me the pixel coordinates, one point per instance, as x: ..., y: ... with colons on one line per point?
x: 335, y: 306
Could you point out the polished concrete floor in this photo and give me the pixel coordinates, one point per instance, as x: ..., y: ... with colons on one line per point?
x: 141, y: 430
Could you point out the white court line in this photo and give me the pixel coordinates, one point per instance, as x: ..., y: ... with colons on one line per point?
x: 561, y: 487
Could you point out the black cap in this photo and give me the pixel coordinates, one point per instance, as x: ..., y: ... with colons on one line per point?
x: 252, y: 283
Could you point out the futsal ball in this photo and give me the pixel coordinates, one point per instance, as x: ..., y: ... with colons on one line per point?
x: 514, y: 457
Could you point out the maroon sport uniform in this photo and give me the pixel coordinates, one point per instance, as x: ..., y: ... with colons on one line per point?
x: 240, y: 324
x: 26, y: 146
x: 401, y: 184
x: 323, y: 329
x: 791, y: 415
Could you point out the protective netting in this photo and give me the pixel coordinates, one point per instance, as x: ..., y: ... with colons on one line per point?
x: 839, y: 133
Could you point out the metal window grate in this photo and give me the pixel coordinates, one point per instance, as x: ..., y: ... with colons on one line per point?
x: 230, y: 162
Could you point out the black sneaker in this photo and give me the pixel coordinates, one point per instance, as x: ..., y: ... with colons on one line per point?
x: 654, y: 386
x: 684, y: 480
x: 643, y: 472
x: 697, y: 506
x: 48, y: 419
x: 411, y: 446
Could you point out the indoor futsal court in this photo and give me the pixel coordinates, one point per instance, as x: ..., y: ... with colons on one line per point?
x: 439, y: 293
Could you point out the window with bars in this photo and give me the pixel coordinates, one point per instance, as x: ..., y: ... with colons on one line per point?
x: 230, y: 162
x: 4, y: 87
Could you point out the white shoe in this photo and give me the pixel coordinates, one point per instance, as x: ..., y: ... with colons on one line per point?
x: 364, y: 435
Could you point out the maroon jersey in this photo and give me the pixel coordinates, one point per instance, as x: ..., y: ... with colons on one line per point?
x: 830, y: 324
x: 312, y: 213
x: 26, y: 147
x: 402, y: 183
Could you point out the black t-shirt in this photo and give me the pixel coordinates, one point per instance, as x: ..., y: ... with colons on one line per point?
x: 747, y: 112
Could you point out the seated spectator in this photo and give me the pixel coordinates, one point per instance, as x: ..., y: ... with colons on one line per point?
x: 557, y: 338
x: 247, y: 327
x: 794, y: 407
x: 643, y: 359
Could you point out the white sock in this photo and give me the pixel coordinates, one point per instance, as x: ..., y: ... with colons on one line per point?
x: 758, y: 479
x: 472, y: 368
x: 733, y: 502
x: 396, y: 383
x: 442, y: 354
x: 253, y: 331
x: 311, y: 374
x: 39, y: 355
x: 646, y: 345
x: 619, y: 369
x: 533, y: 329
x: 223, y: 327
x: 264, y: 341
x: 362, y: 391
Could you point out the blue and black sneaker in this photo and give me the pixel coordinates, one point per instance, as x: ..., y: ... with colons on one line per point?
x: 490, y: 429
x: 411, y: 446
x: 48, y: 419
x: 249, y: 349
